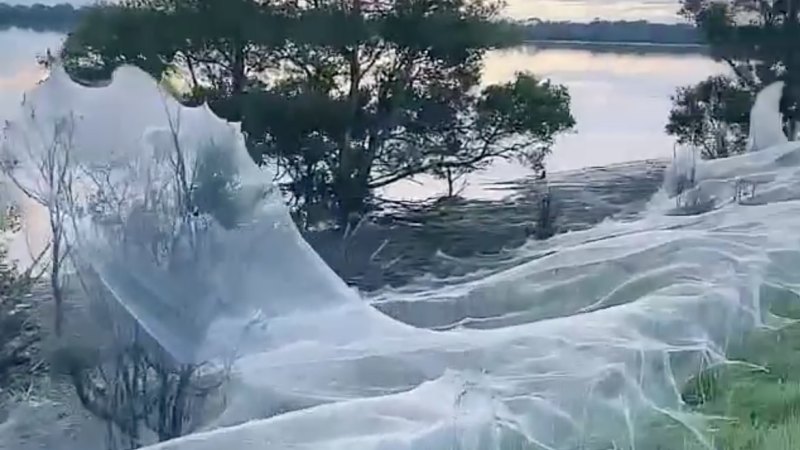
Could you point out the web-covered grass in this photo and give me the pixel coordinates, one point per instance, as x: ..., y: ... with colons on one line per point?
x: 751, y: 404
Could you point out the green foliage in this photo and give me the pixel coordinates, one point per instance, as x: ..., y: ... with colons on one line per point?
x: 345, y: 97
x: 110, y: 36
x: 39, y: 17
x: 758, y: 41
x: 713, y: 116
x: 215, y: 187
x: 756, y: 400
x: 612, y: 31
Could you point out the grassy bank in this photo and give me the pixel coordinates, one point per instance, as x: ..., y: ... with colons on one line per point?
x: 751, y: 404
x: 757, y: 403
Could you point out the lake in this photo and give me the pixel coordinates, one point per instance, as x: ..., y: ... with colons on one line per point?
x: 620, y: 99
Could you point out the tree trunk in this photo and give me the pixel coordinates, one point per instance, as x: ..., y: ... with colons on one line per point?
x: 450, y: 183
x: 792, y: 62
x: 351, y: 179
x: 237, y: 80
x: 55, y: 282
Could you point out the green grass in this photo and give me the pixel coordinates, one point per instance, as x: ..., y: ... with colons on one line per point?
x: 752, y: 405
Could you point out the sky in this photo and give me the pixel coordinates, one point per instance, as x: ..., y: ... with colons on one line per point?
x: 578, y: 10
x: 586, y: 10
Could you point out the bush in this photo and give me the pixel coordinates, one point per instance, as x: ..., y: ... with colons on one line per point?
x: 141, y: 396
x: 18, y: 332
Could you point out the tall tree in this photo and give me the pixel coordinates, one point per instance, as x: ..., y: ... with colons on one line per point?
x: 345, y: 96
x: 758, y: 40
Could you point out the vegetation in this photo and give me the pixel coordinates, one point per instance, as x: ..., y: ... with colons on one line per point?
x: 62, y: 17
x: 65, y: 17
x: 341, y: 113
x: 137, y: 394
x: 757, y: 40
x: 639, y: 31
x: 712, y: 116
x: 52, y: 160
x: 754, y: 404
x: 18, y: 333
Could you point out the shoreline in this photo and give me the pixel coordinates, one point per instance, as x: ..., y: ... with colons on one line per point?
x: 619, y: 47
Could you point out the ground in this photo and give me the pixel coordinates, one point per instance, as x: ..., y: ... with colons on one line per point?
x: 38, y: 407
x: 396, y: 248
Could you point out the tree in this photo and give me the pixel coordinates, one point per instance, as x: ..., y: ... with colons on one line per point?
x: 153, y: 219
x: 712, y: 116
x: 758, y: 40
x: 345, y: 97
x: 47, y: 152
x: 136, y: 392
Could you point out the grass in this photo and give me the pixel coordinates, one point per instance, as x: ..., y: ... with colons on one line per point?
x: 751, y: 405
x: 761, y: 403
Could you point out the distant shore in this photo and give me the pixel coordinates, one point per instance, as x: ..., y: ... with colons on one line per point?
x: 597, y: 35
x: 620, y: 47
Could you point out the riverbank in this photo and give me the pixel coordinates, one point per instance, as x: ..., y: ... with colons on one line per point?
x: 621, y: 47
x: 414, y: 241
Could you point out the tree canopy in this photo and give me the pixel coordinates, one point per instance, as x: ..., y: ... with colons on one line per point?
x: 713, y: 116
x: 760, y: 41
x: 343, y: 96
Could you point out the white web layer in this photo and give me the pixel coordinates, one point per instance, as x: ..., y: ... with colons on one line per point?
x: 638, y: 306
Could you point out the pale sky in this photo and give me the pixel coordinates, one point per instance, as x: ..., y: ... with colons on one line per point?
x: 585, y: 10
x: 579, y: 10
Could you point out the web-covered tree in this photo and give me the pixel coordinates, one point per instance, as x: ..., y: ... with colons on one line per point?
x: 19, y: 332
x: 713, y: 116
x: 345, y: 97
x: 758, y: 40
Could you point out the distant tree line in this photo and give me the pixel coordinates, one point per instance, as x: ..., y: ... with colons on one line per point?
x: 614, y: 31
x: 65, y: 17
x: 760, y: 43
x: 61, y: 17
